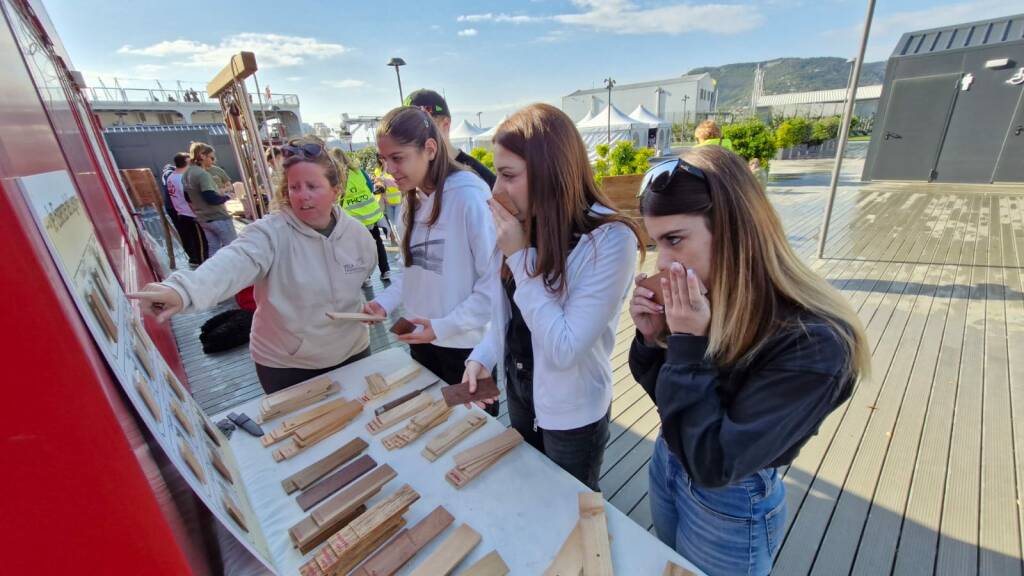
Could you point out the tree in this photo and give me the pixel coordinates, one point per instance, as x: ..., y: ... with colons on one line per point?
x: 825, y: 129
x: 366, y: 158
x: 751, y: 139
x: 793, y: 132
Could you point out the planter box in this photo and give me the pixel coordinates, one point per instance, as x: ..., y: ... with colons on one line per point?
x: 621, y: 191
x: 826, y: 149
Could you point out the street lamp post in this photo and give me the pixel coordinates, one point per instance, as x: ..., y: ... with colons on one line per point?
x: 397, y: 63
x: 609, y: 83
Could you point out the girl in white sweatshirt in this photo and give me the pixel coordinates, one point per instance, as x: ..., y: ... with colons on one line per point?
x: 305, y: 260
x: 447, y: 247
x: 569, y: 263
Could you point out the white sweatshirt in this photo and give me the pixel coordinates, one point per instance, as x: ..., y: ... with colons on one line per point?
x: 299, y: 276
x: 573, y: 335
x: 453, y: 262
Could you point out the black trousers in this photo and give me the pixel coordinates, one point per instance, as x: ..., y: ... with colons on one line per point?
x: 579, y: 451
x: 192, y: 238
x: 448, y: 364
x: 382, y: 254
x: 277, y: 379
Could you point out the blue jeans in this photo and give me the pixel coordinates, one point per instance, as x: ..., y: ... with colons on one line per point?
x: 219, y: 233
x: 736, y: 529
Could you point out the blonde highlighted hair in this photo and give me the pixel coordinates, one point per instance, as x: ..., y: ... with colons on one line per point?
x: 707, y: 130
x: 336, y: 176
x: 757, y: 280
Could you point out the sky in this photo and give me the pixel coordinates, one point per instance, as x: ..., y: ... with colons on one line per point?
x: 485, y: 56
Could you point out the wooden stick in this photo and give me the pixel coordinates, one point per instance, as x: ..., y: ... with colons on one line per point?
x: 234, y: 511
x: 597, y: 553
x: 147, y: 396
x: 310, y: 434
x: 102, y: 316
x: 289, y: 425
x: 179, y: 415
x: 172, y: 381
x: 310, y: 474
x: 481, y: 457
x: 296, y: 397
x: 338, y: 510
x: 336, y: 481
x: 367, y: 544
x: 219, y: 466
x: 401, y: 399
x: 490, y: 565
x: 431, y: 417
x: 391, y: 558
x: 378, y: 385
x: 142, y: 353
x: 398, y: 414
x: 448, y: 555
x: 355, y: 316
x: 451, y: 436
x: 190, y: 458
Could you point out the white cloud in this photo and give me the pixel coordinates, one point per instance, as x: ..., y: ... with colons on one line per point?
x: 468, y: 32
x: 626, y: 17
x: 150, y: 68
x: 500, y: 18
x: 272, y: 50
x: 552, y: 37
x: 346, y: 83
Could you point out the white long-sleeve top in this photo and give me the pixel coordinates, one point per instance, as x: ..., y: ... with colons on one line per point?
x: 573, y: 334
x: 453, y: 264
x: 299, y: 275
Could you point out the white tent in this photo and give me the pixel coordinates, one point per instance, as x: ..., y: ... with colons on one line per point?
x: 585, y: 119
x: 595, y: 131
x: 464, y: 135
x: 486, y: 138
x: 659, y: 132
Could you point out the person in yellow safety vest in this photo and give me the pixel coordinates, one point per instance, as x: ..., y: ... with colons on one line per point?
x: 361, y: 204
x: 392, y: 200
x: 709, y: 134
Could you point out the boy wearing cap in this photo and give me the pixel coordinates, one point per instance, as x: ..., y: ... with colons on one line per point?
x: 434, y: 104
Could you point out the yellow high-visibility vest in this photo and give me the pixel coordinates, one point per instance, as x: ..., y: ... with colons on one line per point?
x: 359, y: 201
x: 392, y: 195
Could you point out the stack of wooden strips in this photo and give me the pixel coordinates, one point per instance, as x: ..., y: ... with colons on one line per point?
x: 353, y: 543
x: 296, y: 397
x: 587, y: 550
x: 405, y: 545
x: 452, y: 435
x: 311, y: 427
x: 378, y: 385
x: 472, y: 462
x: 386, y: 420
x: 431, y: 417
x: 339, y: 510
x: 317, y: 470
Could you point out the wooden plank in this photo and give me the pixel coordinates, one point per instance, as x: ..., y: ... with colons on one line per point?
x: 310, y: 474
x: 336, y: 481
x: 1013, y: 239
x: 339, y: 510
x: 449, y: 554
x: 241, y: 66
x: 456, y: 394
x: 568, y: 560
x: 452, y: 435
x: 672, y: 569
x: 490, y: 565
x: 597, y: 551
x: 397, y: 553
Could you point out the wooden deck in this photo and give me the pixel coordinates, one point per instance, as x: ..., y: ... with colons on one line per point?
x: 918, y: 472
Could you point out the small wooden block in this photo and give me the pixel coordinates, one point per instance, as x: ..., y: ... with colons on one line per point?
x: 378, y: 385
x: 367, y: 544
x: 355, y: 317
x: 398, y: 414
x: 502, y: 441
x: 142, y: 353
x: 179, y: 415
x: 402, y: 326
x: 597, y: 552
x: 175, y: 386
x: 322, y: 533
x: 397, y: 553
x: 431, y: 417
x: 190, y: 458
x: 296, y: 397
x: 142, y: 386
x: 336, y: 481
x: 653, y: 283
x: 102, y: 315
x: 448, y: 555
x: 672, y: 569
x: 451, y: 436
x: 337, y: 510
x: 219, y: 466
x: 506, y: 202
x: 234, y: 512
x: 327, y: 424
x: 490, y: 565
x: 456, y: 394
x: 289, y: 425
x: 211, y: 433
x: 310, y: 474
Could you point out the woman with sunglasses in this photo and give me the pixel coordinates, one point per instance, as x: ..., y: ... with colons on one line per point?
x: 305, y: 260
x: 743, y: 372
x: 569, y: 263
x: 447, y: 247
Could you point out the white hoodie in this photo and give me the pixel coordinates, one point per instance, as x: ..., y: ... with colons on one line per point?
x: 453, y: 262
x: 299, y: 276
x: 573, y: 334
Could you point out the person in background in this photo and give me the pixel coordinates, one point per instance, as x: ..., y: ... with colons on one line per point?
x: 569, y: 264
x: 749, y: 353
x: 207, y: 202
x: 193, y: 240
x: 760, y: 172
x: 360, y: 203
x: 275, y: 166
x: 306, y: 259
x: 434, y: 104
x: 448, y: 252
x: 708, y: 133
x: 392, y: 201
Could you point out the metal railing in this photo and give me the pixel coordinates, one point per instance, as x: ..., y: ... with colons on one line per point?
x: 115, y: 95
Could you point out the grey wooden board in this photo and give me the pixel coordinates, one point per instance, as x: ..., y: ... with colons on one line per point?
x: 918, y: 472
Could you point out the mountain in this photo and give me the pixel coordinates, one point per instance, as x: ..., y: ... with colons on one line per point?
x: 735, y: 81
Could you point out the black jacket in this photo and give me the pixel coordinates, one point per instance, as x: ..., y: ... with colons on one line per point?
x: 724, y: 424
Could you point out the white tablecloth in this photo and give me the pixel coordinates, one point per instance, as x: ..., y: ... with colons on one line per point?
x: 524, y: 506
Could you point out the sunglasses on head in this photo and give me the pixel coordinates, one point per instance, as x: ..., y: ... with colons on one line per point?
x: 307, y: 151
x: 660, y: 177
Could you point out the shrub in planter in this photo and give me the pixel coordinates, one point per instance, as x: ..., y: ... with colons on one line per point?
x: 825, y: 129
x: 793, y: 132
x: 623, y: 159
x: 751, y: 139
x: 483, y: 156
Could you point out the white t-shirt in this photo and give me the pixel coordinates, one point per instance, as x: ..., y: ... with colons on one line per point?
x: 176, y: 190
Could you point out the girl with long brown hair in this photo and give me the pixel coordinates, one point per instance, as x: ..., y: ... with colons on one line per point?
x: 569, y: 262
x: 746, y: 354
x: 447, y: 247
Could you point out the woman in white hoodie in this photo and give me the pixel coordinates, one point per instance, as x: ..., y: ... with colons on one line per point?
x: 569, y: 264
x: 447, y: 247
x: 305, y: 260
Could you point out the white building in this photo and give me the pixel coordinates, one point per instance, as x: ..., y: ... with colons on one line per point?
x: 666, y: 99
